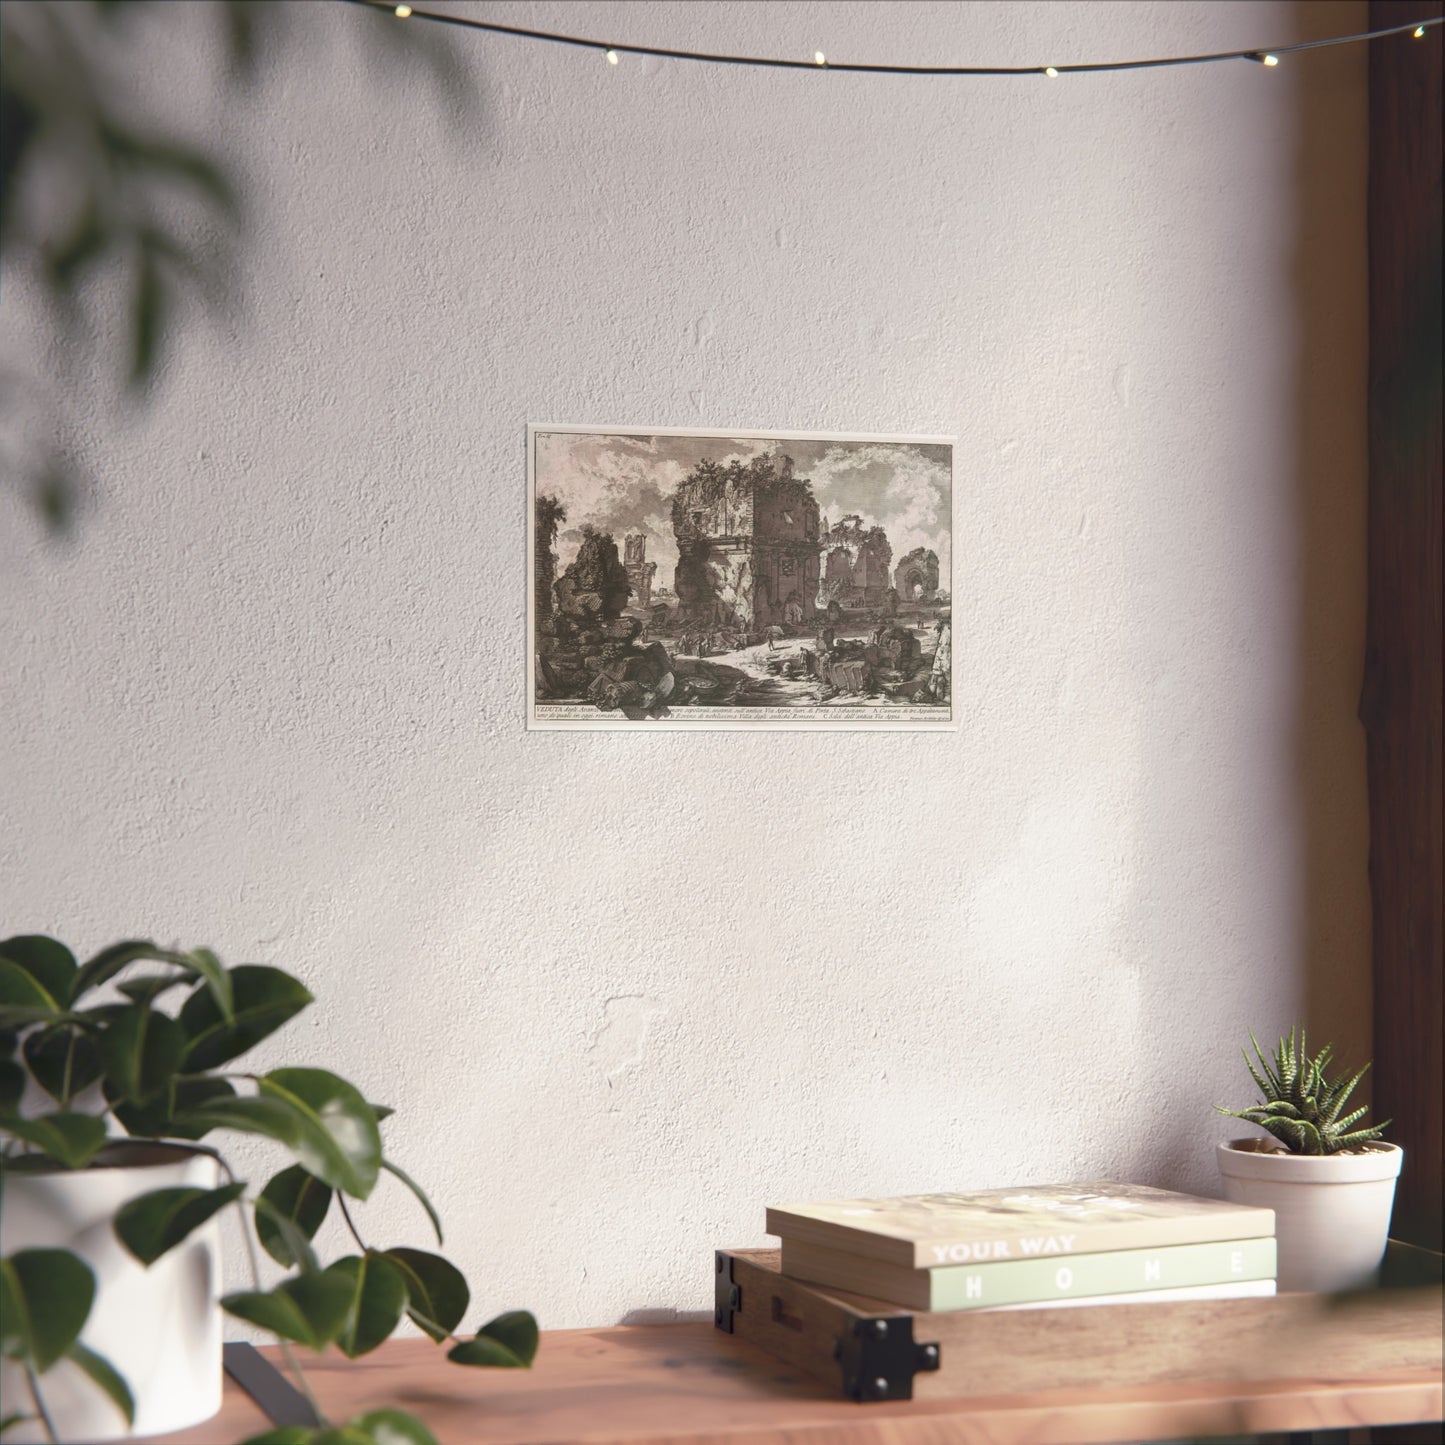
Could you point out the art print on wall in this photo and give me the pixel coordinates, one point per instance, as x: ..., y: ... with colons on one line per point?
x: 738, y: 579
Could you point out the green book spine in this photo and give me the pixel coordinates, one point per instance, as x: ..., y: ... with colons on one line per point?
x: 1027, y: 1281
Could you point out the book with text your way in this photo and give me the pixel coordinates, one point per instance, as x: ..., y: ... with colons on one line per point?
x: 1032, y: 1222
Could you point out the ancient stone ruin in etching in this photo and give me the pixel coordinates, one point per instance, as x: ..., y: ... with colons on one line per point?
x: 754, y: 573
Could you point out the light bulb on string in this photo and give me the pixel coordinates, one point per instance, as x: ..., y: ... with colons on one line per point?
x: 1260, y: 57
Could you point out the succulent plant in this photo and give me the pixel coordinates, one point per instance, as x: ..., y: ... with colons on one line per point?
x: 1301, y: 1107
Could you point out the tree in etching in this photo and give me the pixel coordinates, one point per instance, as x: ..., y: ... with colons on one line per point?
x: 596, y: 573
x: 550, y: 515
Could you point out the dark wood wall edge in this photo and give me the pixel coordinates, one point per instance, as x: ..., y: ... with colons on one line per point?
x: 1401, y: 696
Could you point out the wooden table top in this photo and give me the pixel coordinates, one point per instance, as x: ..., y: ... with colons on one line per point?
x: 691, y: 1384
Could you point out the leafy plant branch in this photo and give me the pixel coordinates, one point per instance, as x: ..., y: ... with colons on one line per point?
x: 168, y: 1076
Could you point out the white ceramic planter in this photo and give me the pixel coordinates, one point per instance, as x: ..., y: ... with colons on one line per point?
x: 160, y: 1327
x: 1331, y: 1212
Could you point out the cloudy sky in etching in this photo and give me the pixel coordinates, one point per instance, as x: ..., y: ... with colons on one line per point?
x: 623, y: 484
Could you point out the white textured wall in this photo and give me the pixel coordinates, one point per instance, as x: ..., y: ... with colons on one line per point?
x: 625, y: 989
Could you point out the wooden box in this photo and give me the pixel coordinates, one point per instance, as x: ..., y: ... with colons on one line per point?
x: 871, y: 1350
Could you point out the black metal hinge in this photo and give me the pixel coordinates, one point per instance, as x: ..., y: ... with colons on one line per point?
x: 880, y: 1358
x: 727, y: 1296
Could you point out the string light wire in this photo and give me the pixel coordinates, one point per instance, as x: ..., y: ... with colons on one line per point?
x: 1269, y: 55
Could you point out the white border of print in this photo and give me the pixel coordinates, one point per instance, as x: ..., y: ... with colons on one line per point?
x: 569, y: 717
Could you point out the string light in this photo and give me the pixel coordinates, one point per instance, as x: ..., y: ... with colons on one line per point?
x: 1260, y: 56
x: 612, y: 57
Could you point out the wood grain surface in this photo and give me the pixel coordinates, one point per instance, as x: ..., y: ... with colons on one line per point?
x: 1273, y: 1340
x: 670, y: 1384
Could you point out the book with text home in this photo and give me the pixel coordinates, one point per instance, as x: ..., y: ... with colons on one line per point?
x: 924, y: 1231
x: 1245, y: 1289
x: 1033, y: 1281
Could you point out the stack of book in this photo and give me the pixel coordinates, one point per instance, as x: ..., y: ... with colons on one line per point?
x: 1031, y: 1247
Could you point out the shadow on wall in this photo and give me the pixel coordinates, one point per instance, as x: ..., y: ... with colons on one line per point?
x: 1325, y: 905
x: 93, y: 186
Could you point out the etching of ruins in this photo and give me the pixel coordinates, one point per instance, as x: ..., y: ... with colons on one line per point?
x: 702, y: 576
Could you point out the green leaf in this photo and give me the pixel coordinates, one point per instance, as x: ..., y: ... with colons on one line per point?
x: 141, y: 1051
x: 378, y: 1296
x: 19, y: 1016
x: 50, y: 964
x: 340, y: 1143
x: 437, y: 1293
x: 295, y: 1243
x: 517, y: 1330
x: 109, y: 962
x: 142, y: 1121
x: 392, y: 1427
x: 12, y: 1086
x: 263, y: 999
x: 64, y: 1061
x: 1338, y: 1126
x: 14, y: 1323
x: 507, y: 1342
x: 96, y: 1019
x: 23, y: 999
x: 45, y: 1299
x: 270, y: 1118
x: 284, y: 1435
x: 73, y: 1139
x: 1345, y: 1089
x: 310, y: 1310
x: 151, y: 1224
x: 416, y: 1189
x: 326, y: 1131
x: 298, y: 1197
x: 210, y: 968
x: 194, y: 1093
x: 11, y: 1421
x: 382, y: 1111
x: 1361, y: 1136
x: 148, y: 989
x: 162, y: 1117
x: 341, y: 1435
x: 104, y: 1374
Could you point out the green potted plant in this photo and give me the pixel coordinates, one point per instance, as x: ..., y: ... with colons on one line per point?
x: 1331, y: 1185
x: 113, y: 1085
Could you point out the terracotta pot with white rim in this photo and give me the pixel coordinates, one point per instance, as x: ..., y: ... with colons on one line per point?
x: 1331, y: 1211
x: 160, y: 1327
